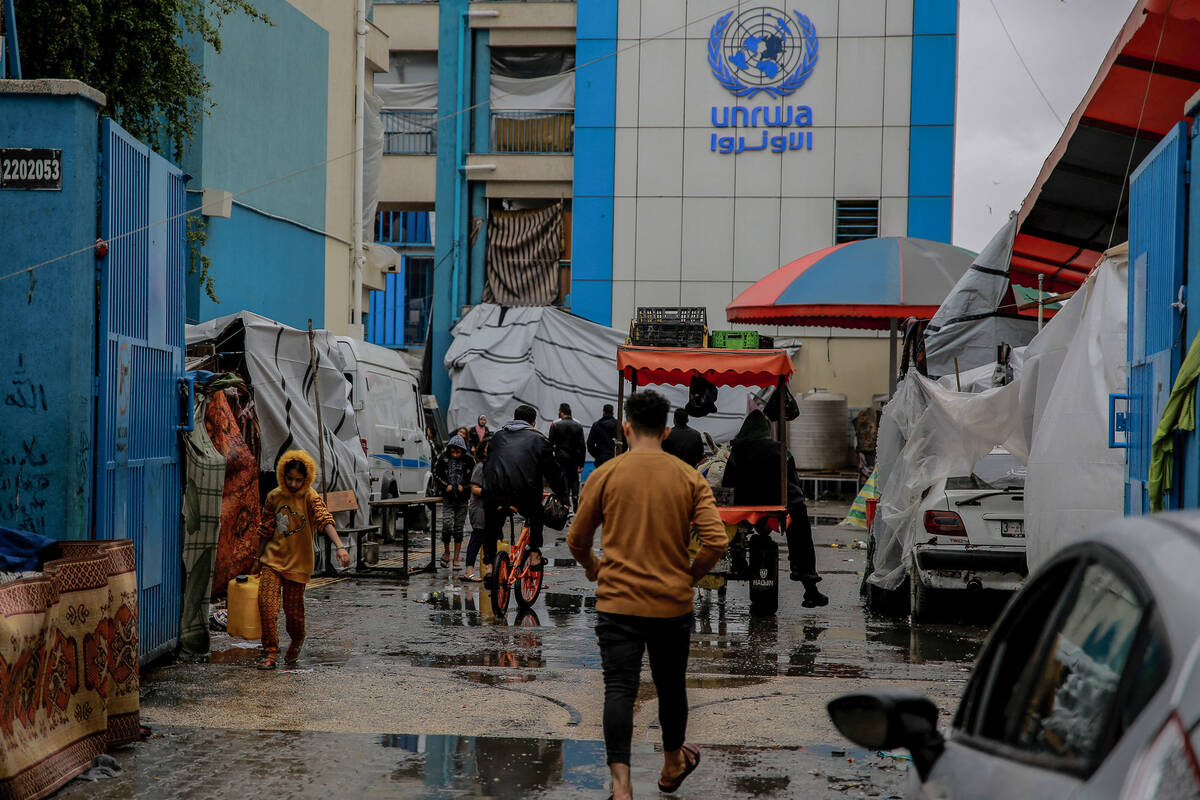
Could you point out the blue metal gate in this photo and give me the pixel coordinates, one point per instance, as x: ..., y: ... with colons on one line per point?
x: 139, y: 364
x: 1157, y: 215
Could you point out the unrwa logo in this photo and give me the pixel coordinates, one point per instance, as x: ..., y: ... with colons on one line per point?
x: 762, y: 50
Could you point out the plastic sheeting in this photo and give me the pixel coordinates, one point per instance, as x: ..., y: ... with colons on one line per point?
x: 1053, y: 416
x: 551, y: 93
x: 543, y: 356
x: 1075, y: 481
x: 408, y: 95
x: 278, y: 369
x: 969, y: 324
x: 372, y: 162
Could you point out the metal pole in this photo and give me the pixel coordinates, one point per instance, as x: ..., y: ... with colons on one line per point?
x: 893, y: 326
x: 1041, y: 300
x: 780, y: 395
x: 10, y: 31
x: 357, y: 259
x: 313, y: 363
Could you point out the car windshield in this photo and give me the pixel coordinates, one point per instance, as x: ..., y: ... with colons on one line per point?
x: 996, y: 470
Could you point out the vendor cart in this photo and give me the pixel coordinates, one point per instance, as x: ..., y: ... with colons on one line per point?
x: 643, y: 366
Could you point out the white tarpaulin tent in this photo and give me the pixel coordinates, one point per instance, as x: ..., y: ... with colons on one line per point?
x: 1054, y: 416
x: 279, y: 371
x: 543, y: 356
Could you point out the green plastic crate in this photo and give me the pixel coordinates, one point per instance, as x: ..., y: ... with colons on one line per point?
x: 733, y: 340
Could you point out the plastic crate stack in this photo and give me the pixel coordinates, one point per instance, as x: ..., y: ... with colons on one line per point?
x: 669, y: 326
x: 740, y: 340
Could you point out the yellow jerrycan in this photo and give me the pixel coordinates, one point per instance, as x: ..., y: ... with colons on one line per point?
x: 243, y: 608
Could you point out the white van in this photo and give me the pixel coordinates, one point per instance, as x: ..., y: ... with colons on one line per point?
x: 391, y: 420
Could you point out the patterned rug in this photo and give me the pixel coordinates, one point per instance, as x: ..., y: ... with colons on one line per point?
x: 241, y: 507
x: 68, y: 666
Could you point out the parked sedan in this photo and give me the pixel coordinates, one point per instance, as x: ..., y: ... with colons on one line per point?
x: 1086, y: 688
x: 973, y: 534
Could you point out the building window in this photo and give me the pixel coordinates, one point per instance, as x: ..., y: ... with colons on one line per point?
x: 854, y: 220
x: 404, y: 228
x: 399, y: 315
x: 409, y: 96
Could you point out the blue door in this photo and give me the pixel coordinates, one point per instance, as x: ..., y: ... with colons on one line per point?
x: 139, y: 365
x: 1157, y: 214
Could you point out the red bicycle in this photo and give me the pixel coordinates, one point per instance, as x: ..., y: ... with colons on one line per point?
x: 517, y: 577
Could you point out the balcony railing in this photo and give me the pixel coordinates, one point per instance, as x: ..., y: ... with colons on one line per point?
x: 533, y: 131
x: 409, y: 131
x: 403, y: 228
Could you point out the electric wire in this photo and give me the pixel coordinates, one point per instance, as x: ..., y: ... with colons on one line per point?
x: 1025, y: 66
x: 287, y: 176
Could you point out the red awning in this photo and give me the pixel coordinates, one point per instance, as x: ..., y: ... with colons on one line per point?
x: 1079, y: 204
x: 675, y: 366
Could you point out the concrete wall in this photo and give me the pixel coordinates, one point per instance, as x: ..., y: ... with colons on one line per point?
x: 854, y: 366
x: 337, y: 18
x: 46, y: 417
x: 270, y: 88
x: 694, y: 226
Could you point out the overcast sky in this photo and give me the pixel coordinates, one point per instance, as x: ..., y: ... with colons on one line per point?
x: 1005, y: 129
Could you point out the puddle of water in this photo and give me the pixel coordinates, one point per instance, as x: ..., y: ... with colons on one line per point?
x: 495, y: 678
x: 235, y: 656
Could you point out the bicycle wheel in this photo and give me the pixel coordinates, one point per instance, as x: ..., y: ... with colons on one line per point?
x: 529, y: 581
x: 501, y: 573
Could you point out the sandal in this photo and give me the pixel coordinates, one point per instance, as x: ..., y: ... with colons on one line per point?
x: 473, y: 578
x: 688, y: 750
x: 444, y: 561
x: 266, y: 663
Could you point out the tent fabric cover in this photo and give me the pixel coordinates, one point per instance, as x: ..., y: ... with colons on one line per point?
x: 972, y: 320
x: 543, y: 356
x: 861, y: 284
x: 408, y: 95
x: 1053, y: 416
x: 523, y: 249
x: 549, y: 93
x: 280, y: 374
x: 672, y: 366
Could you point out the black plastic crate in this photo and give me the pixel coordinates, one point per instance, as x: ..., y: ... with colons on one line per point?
x: 766, y: 342
x: 692, y: 315
x: 666, y: 334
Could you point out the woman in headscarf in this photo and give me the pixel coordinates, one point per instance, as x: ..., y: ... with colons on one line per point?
x: 478, y: 433
x: 753, y: 473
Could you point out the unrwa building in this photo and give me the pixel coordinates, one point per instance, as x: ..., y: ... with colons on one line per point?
x: 706, y: 144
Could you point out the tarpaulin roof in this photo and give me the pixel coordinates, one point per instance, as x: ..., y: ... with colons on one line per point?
x: 861, y: 284
x: 1067, y: 219
x: 675, y: 366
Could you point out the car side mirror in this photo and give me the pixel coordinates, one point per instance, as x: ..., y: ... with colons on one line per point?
x: 884, y: 719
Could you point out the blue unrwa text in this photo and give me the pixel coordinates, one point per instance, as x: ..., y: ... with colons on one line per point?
x: 765, y: 117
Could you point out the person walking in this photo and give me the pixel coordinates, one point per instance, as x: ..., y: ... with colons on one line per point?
x: 292, y: 515
x: 566, y: 437
x: 647, y: 503
x: 478, y: 433
x: 602, y: 438
x: 452, y: 473
x: 519, y: 459
x: 683, y: 442
x: 753, y: 472
x: 475, y: 515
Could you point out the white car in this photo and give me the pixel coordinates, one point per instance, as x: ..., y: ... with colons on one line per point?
x: 973, y: 535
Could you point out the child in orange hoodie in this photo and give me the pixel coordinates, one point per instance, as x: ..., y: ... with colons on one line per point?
x: 292, y: 515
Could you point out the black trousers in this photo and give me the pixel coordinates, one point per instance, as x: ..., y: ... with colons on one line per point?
x: 495, y: 514
x: 571, y: 474
x: 623, y: 639
x: 802, y: 558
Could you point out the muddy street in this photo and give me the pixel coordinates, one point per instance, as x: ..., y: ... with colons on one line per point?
x: 418, y: 690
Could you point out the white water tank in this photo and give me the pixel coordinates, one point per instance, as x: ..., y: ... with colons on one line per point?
x: 819, y: 438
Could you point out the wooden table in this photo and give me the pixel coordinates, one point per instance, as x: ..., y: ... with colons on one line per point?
x: 387, y: 511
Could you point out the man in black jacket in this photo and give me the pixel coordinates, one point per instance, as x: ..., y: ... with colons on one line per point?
x: 518, y: 460
x: 684, y: 443
x: 602, y: 441
x: 566, y: 437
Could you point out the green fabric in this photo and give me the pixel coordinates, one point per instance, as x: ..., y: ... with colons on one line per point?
x: 1179, y: 415
x: 755, y: 428
x: 202, y: 495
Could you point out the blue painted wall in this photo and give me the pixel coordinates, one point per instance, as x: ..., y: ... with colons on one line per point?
x: 931, y: 135
x: 270, y: 89
x: 46, y: 415
x: 595, y: 121
x: 445, y: 293
x: 267, y: 266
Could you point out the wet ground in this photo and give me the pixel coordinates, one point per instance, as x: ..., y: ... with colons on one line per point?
x: 418, y: 690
